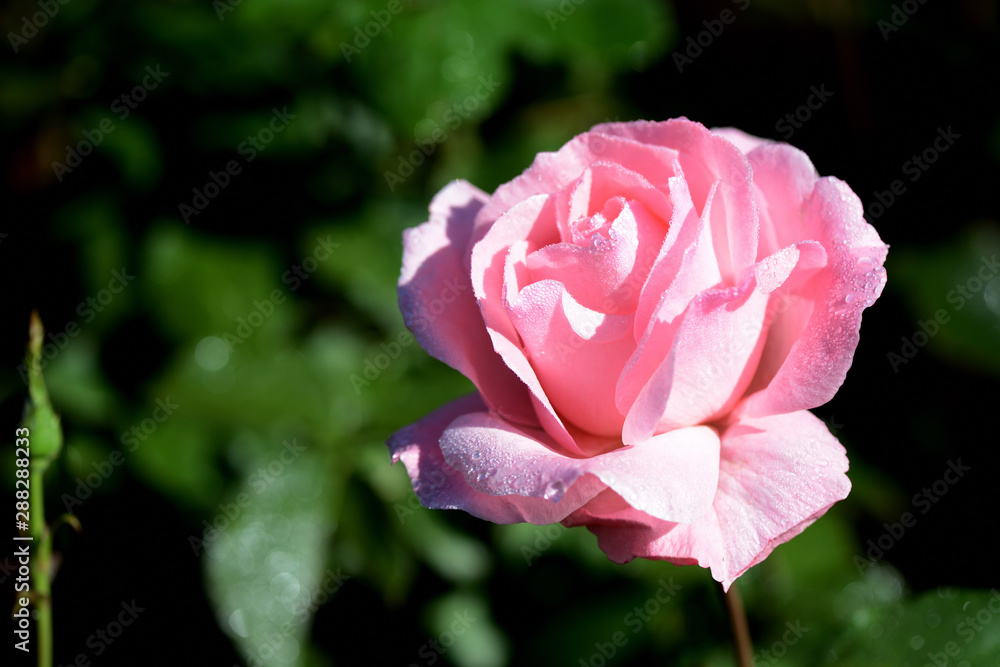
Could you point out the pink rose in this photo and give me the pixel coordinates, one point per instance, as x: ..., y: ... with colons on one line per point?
x: 647, y: 315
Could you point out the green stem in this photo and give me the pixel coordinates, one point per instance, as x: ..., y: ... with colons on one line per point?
x: 45, y: 437
x: 42, y: 544
x: 742, y: 645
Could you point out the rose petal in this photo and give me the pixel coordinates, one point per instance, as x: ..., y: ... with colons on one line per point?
x: 728, y: 359
x: 825, y: 320
x: 745, y: 142
x: 684, y: 270
x: 531, y: 221
x: 708, y: 161
x: 710, y: 362
x: 686, y: 235
x: 608, y: 275
x: 788, y: 312
x: 439, y: 486
x: 438, y: 306
x: 777, y: 475
x: 672, y: 477
x: 552, y: 172
x: 577, y: 354
x: 545, y: 414
x: 784, y: 179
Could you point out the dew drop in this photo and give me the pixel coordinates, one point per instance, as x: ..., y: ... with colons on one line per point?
x: 477, y: 455
x: 598, y: 242
x: 554, y: 490
x: 850, y: 297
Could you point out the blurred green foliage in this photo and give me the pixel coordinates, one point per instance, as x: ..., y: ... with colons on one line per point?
x: 956, y: 290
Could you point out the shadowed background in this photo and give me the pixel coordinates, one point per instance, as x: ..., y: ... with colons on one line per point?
x: 204, y: 202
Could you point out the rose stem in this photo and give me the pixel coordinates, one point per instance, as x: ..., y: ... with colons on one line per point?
x: 741, y: 631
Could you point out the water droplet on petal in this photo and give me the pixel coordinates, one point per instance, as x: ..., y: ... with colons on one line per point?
x: 850, y: 297
x: 598, y: 242
x: 554, y: 490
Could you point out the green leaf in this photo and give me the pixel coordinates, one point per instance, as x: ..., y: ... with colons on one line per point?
x: 463, y: 629
x: 266, y: 566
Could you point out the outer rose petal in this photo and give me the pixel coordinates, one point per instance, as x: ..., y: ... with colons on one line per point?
x: 745, y: 142
x: 673, y: 476
x: 778, y: 474
x: 825, y: 324
x: 439, y: 486
x: 432, y: 274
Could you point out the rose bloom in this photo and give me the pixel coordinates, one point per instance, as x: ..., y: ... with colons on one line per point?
x: 647, y: 315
